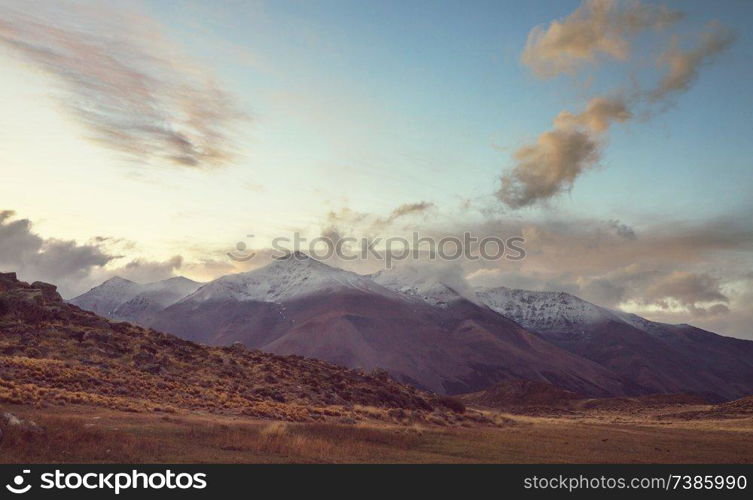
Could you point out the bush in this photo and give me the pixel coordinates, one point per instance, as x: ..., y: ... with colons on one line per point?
x: 453, y: 404
x: 380, y: 374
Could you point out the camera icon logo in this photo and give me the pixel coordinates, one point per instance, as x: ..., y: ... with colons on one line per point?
x: 242, y: 254
x: 17, y: 487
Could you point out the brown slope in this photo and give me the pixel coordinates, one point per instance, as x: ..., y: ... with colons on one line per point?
x: 666, y: 358
x: 524, y: 397
x: 521, y: 393
x: 456, y: 349
x: 55, y: 353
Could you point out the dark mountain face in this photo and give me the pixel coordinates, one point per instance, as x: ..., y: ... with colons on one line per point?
x: 456, y: 349
x: 426, y: 334
x: 649, y: 357
x: 52, y: 352
x: 668, y: 358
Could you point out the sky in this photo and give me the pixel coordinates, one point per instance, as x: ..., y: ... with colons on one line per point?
x: 146, y: 140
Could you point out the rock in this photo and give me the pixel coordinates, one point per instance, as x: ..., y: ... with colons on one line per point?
x: 11, y: 419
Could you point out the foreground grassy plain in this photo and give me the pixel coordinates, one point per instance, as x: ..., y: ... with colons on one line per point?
x: 96, y: 435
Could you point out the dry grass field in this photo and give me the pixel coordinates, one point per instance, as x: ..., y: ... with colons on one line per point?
x: 98, y: 435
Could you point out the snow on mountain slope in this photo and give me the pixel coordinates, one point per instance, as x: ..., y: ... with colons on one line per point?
x: 641, y: 323
x: 153, y: 298
x: 416, y: 284
x: 293, y: 276
x: 169, y: 291
x: 545, y: 311
x: 105, y: 298
x: 123, y: 299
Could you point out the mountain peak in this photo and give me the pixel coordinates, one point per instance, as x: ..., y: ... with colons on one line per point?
x: 177, y: 281
x: 108, y: 298
x: 544, y: 311
x: 293, y: 275
x: 295, y: 255
x: 117, y: 280
x: 416, y: 283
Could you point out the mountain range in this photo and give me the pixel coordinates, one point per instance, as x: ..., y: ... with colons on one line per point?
x: 126, y: 300
x: 433, y: 334
x: 54, y: 353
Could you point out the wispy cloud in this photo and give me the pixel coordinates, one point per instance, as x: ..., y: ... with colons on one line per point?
x: 408, y: 209
x: 347, y: 220
x: 120, y: 77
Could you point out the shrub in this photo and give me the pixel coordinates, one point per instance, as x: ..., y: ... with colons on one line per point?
x: 453, y: 404
x: 380, y: 374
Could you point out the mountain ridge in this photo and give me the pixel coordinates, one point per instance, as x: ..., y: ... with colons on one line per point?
x: 123, y: 299
x: 55, y: 353
x: 438, y: 332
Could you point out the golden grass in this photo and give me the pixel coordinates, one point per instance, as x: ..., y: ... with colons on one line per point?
x: 82, y: 434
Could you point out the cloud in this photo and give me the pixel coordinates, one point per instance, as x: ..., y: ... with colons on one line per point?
x: 144, y: 271
x: 37, y: 259
x: 605, y: 262
x: 676, y: 271
x: 131, y: 89
x: 551, y: 165
x: 622, y: 230
x: 584, y: 247
x: 75, y: 267
x: 548, y: 167
x: 688, y: 289
x: 598, y: 116
x: 683, y: 65
x: 347, y: 220
x: 408, y: 209
x: 427, y: 274
x: 596, y: 28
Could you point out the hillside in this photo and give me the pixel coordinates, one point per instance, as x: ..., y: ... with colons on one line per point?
x: 54, y: 353
x: 650, y: 357
x: 520, y: 393
x: 436, y: 333
x: 126, y: 300
x: 302, y: 306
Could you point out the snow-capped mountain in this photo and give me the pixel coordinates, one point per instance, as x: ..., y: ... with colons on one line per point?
x: 293, y: 276
x: 126, y: 300
x: 559, y: 312
x: 105, y: 298
x: 432, y: 339
x: 545, y: 311
x: 654, y: 357
x: 417, y: 284
x: 428, y: 328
